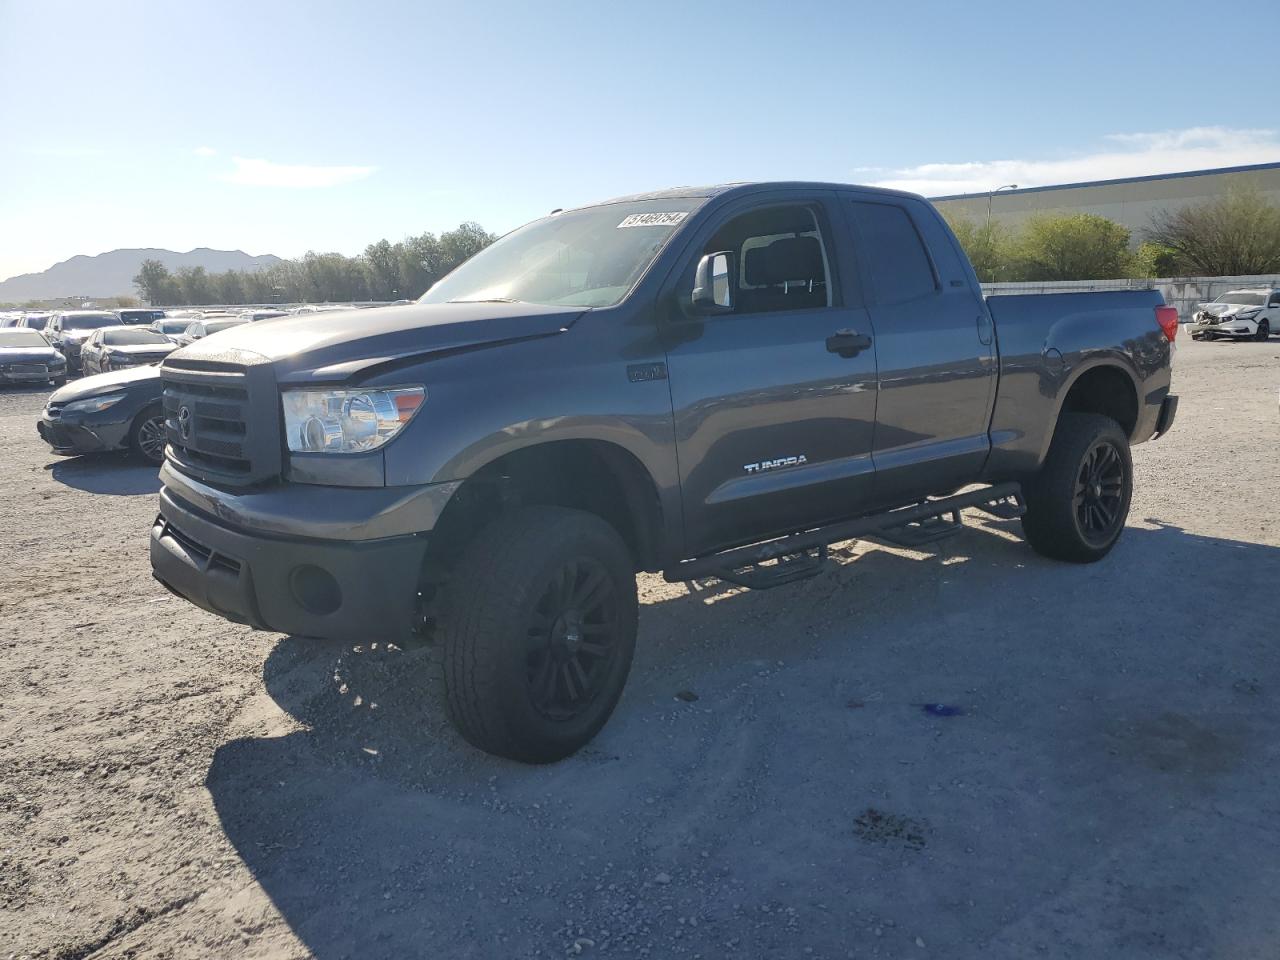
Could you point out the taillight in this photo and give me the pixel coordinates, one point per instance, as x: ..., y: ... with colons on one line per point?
x: 1167, y: 317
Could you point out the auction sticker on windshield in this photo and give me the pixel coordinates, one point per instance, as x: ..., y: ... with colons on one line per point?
x: 653, y: 219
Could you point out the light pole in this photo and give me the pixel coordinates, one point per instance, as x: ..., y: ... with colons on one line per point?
x: 992, y: 193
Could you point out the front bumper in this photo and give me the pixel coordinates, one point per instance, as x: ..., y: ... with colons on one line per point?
x: 1230, y: 327
x: 352, y: 590
x: 70, y: 437
x: 32, y: 373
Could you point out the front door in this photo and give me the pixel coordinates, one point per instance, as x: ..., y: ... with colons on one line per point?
x: 774, y: 402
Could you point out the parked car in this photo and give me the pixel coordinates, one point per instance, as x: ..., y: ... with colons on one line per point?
x: 120, y: 410
x: 114, y: 348
x: 1238, y: 314
x: 712, y: 382
x: 171, y: 327
x: 131, y: 316
x: 8, y: 320
x: 35, y: 321
x: 27, y: 357
x: 70, y: 329
x: 203, y: 328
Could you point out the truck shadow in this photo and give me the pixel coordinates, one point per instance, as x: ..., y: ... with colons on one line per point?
x: 109, y: 474
x: 377, y: 833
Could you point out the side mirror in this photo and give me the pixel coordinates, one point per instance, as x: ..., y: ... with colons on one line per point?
x: 713, y: 283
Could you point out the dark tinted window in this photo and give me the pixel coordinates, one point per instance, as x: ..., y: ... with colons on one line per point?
x: 35, y: 322
x: 131, y: 338
x: 898, y: 259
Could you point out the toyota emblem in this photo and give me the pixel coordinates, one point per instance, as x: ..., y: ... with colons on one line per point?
x: 184, y: 422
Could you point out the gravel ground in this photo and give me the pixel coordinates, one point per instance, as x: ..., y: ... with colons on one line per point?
x: 770, y: 786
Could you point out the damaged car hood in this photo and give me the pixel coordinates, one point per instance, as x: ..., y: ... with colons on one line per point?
x: 336, y: 345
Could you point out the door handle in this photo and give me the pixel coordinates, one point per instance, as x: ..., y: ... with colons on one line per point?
x: 847, y: 343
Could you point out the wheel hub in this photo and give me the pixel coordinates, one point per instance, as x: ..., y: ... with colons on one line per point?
x: 566, y: 633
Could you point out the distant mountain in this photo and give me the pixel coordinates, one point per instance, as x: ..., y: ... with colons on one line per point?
x: 111, y: 274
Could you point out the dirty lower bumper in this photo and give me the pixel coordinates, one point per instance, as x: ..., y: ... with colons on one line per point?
x: 344, y: 590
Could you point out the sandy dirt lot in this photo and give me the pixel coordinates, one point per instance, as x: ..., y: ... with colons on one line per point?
x: 771, y: 786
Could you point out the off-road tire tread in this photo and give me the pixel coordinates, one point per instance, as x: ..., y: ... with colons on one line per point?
x: 482, y: 608
x: 1048, y: 523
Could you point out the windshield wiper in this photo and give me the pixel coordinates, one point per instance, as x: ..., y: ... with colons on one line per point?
x: 487, y: 300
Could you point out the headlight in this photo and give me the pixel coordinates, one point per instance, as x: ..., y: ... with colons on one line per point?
x: 347, y: 421
x: 93, y: 404
x: 1248, y: 314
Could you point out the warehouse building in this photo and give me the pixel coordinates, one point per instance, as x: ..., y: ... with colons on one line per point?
x: 1130, y: 201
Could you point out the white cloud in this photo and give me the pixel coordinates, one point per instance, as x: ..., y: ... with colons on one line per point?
x: 264, y: 173
x: 204, y: 151
x: 1127, y: 155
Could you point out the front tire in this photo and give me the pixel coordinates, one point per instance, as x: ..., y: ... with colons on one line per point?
x: 147, y: 436
x: 538, y: 625
x: 1078, y: 502
x: 1264, y: 331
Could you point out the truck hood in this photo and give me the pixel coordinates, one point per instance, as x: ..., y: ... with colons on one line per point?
x: 336, y: 345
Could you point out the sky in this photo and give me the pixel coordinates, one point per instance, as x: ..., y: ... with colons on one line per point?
x: 281, y: 127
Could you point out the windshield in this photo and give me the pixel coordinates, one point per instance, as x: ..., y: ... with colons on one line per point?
x: 216, y: 325
x: 173, y: 326
x: 89, y: 321
x: 584, y: 258
x: 36, y: 321
x: 132, y: 338
x: 1238, y: 298
x: 21, y: 338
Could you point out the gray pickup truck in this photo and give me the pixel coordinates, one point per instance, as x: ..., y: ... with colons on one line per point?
x: 713, y: 382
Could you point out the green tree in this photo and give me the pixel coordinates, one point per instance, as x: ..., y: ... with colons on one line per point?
x: 1236, y: 234
x: 154, y: 283
x: 1155, y: 260
x: 1078, y: 246
x: 382, y: 262
x: 195, y: 286
x: 986, y: 245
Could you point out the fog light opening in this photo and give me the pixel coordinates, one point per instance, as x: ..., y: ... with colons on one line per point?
x: 315, y: 589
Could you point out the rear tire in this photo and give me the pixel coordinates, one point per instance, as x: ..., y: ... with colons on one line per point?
x: 147, y: 437
x: 1264, y: 331
x: 1078, y: 502
x: 538, y: 626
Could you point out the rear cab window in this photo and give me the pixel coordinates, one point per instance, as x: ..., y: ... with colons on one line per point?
x: 901, y: 267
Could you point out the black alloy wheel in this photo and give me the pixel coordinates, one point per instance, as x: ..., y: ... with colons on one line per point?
x: 1099, y: 493
x: 573, y: 639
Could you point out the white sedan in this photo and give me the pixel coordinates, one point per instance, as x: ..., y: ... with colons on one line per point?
x: 1238, y: 314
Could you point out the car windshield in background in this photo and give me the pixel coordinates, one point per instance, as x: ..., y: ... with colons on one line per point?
x: 90, y: 321
x: 1242, y: 299
x: 585, y: 258
x: 21, y: 338
x: 133, y: 338
x: 174, y: 326
x: 216, y: 325
x: 36, y: 321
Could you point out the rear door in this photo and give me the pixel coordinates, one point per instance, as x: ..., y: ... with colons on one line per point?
x: 934, y: 347
x: 774, y: 403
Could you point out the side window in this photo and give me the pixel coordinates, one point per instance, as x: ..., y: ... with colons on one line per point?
x: 781, y: 259
x: 897, y: 254
x: 1275, y: 299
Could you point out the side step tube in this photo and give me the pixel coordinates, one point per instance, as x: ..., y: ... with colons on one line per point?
x: 1003, y: 500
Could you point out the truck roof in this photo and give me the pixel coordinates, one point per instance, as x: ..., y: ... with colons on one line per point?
x: 744, y: 187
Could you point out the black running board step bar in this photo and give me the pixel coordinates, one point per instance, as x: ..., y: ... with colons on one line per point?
x: 733, y: 562
x: 921, y: 532
x: 785, y: 569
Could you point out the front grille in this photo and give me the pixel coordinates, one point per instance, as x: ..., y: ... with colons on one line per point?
x: 222, y: 419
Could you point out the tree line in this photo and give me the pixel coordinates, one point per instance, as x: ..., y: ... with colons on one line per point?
x: 384, y: 271
x: 1236, y: 234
